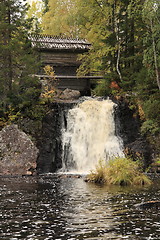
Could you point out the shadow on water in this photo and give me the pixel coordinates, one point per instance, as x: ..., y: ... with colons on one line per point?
x: 56, y: 208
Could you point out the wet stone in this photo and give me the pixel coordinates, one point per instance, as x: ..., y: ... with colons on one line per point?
x: 18, y: 154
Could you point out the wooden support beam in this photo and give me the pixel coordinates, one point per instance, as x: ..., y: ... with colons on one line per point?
x: 69, y: 77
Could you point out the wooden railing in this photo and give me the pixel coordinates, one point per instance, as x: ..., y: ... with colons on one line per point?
x: 70, y: 77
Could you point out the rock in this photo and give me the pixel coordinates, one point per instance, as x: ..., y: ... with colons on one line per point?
x: 69, y: 175
x: 68, y: 94
x: 148, y: 205
x: 18, y: 154
x: 50, y: 144
x: 154, y: 168
x: 139, y: 149
x: 128, y: 127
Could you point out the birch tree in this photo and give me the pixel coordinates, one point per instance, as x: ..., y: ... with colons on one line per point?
x: 151, y: 16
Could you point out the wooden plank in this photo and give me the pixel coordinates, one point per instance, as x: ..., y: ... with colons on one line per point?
x: 70, y: 77
x: 60, y: 58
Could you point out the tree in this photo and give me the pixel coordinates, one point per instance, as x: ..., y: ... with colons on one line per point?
x: 151, y: 12
x: 116, y: 30
x: 116, y: 33
x: 35, y: 12
x: 59, y: 19
x: 45, y: 6
x: 125, y: 45
x: 17, y: 60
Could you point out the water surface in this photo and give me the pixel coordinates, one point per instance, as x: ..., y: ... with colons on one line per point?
x: 63, y: 208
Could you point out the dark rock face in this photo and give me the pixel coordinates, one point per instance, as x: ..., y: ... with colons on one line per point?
x: 18, y: 154
x: 139, y: 150
x: 128, y: 128
x: 50, y: 145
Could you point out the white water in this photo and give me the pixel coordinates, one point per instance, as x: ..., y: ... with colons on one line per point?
x: 90, y: 136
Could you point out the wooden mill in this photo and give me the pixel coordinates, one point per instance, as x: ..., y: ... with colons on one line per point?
x: 62, y: 54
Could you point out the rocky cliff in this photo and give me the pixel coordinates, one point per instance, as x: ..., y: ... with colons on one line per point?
x: 18, y: 153
x: 128, y: 128
x: 50, y: 148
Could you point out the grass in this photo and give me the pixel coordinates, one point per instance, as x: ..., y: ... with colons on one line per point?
x: 119, y: 171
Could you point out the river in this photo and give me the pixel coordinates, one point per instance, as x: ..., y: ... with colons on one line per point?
x: 50, y: 207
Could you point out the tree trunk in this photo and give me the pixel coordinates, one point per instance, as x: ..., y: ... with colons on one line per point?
x: 155, y: 57
x: 6, y: 42
x: 118, y: 42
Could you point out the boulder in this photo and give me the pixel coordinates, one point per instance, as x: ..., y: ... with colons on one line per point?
x: 69, y: 94
x: 18, y: 154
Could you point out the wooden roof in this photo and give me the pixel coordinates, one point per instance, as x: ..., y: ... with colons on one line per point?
x: 50, y: 42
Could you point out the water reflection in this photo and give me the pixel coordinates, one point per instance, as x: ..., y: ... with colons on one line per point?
x: 54, y: 208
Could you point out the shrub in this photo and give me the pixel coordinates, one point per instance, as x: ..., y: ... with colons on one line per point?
x: 108, y: 85
x: 150, y: 126
x: 102, y: 89
x: 119, y: 171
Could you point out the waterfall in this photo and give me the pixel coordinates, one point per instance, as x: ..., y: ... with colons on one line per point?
x: 89, y: 136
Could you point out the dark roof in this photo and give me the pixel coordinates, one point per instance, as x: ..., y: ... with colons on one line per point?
x: 50, y: 42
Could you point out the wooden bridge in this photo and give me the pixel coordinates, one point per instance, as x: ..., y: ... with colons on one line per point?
x: 62, y: 54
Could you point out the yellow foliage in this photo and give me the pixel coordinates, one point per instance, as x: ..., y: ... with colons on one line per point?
x: 49, y: 71
x: 51, y: 82
x: 48, y: 94
x: 141, y: 112
x: 99, y: 175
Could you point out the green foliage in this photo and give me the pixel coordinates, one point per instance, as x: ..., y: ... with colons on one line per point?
x: 149, y: 107
x: 46, y: 8
x: 157, y: 159
x: 151, y: 16
x: 120, y: 34
x: 60, y: 15
x: 148, y: 96
x: 102, y: 88
x: 150, y: 127
x: 119, y: 171
x: 125, y: 47
x: 35, y: 112
x: 19, y: 89
x: 35, y: 12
